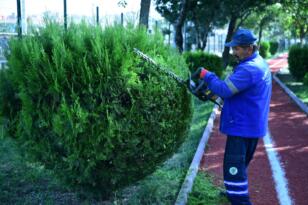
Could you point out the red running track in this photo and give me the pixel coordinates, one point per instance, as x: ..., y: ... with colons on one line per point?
x: 289, y: 130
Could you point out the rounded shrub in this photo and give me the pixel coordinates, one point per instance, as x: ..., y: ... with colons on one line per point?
x: 198, y: 59
x: 264, y: 49
x: 306, y: 79
x: 9, y: 103
x: 90, y: 109
x: 273, y: 47
x: 298, y: 64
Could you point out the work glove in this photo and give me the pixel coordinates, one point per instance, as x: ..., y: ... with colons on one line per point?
x: 197, y: 85
x: 199, y: 74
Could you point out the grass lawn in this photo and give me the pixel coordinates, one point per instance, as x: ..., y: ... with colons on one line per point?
x: 204, y: 192
x: 22, y: 182
x: 300, y: 90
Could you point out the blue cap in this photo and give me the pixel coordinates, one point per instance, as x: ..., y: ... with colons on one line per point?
x: 242, y: 37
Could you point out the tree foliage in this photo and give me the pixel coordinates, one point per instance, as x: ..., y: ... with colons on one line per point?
x: 298, y: 11
x: 238, y: 11
x: 203, y: 16
x: 260, y: 20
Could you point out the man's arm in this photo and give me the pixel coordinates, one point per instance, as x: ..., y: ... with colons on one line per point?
x: 232, y: 85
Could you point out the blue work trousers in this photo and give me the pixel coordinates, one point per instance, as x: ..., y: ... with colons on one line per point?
x: 238, y: 153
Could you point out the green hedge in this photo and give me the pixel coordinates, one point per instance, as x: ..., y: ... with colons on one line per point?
x: 298, y: 64
x: 9, y: 103
x: 89, y: 109
x: 273, y: 47
x: 306, y: 79
x: 201, y: 59
x: 264, y: 49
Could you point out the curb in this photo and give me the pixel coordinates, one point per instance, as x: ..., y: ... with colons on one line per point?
x: 297, y: 101
x: 194, y: 166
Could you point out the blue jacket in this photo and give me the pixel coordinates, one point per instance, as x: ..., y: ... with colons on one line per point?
x: 246, y: 94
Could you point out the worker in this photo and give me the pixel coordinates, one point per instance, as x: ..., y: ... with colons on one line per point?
x: 246, y: 93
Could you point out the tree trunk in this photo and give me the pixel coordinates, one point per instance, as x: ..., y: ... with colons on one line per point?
x: 198, y: 37
x: 169, y: 35
x: 302, y: 34
x: 260, y: 33
x: 204, y: 42
x: 144, y: 12
x: 225, y: 54
x: 261, y: 25
x: 179, y: 25
x: 205, y: 35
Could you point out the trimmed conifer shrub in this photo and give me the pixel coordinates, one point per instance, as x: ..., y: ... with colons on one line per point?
x: 91, y: 110
x: 273, y: 47
x: 201, y: 59
x: 264, y: 49
x: 297, y: 60
x: 305, y: 81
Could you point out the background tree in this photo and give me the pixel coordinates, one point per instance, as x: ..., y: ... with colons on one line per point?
x: 176, y: 12
x: 205, y: 17
x: 144, y: 12
x: 169, y: 9
x: 202, y: 16
x: 261, y: 20
x: 122, y: 3
x: 238, y: 11
x: 298, y: 10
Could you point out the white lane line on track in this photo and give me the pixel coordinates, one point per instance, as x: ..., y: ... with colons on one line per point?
x: 281, y: 183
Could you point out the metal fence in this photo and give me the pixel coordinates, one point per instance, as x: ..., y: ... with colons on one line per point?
x: 4, y: 45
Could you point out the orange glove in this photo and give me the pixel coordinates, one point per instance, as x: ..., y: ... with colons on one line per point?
x: 203, y: 72
x: 199, y: 73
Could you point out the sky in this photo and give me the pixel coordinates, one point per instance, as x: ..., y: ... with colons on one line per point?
x: 74, y: 7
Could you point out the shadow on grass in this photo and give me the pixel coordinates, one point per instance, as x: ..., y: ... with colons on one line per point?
x: 22, y: 182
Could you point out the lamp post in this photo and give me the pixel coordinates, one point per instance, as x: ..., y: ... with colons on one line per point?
x: 65, y: 15
x: 19, y: 31
x: 97, y: 15
x: 24, y: 24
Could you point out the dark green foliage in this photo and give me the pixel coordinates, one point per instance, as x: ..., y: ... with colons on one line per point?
x: 201, y: 59
x: 273, y: 47
x: 264, y: 49
x: 233, y: 61
x: 306, y: 79
x: 204, y: 192
x: 91, y: 110
x: 298, y: 64
x: 9, y: 103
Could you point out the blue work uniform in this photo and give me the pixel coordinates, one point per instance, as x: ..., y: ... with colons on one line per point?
x: 244, y: 119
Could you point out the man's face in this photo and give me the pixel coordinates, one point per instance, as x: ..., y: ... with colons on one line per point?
x: 241, y: 52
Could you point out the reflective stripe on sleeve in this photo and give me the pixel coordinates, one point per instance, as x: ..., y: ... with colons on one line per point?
x: 231, y: 86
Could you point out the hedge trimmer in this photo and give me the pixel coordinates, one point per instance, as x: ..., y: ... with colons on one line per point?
x: 195, y: 85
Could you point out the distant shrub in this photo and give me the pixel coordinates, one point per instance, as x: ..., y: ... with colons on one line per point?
x: 201, y: 59
x: 306, y: 79
x: 273, y: 47
x: 264, y: 49
x: 298, y: 64
x: 84, y: 105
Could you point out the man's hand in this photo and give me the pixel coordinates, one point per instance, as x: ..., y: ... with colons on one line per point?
x: 199, y: 74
